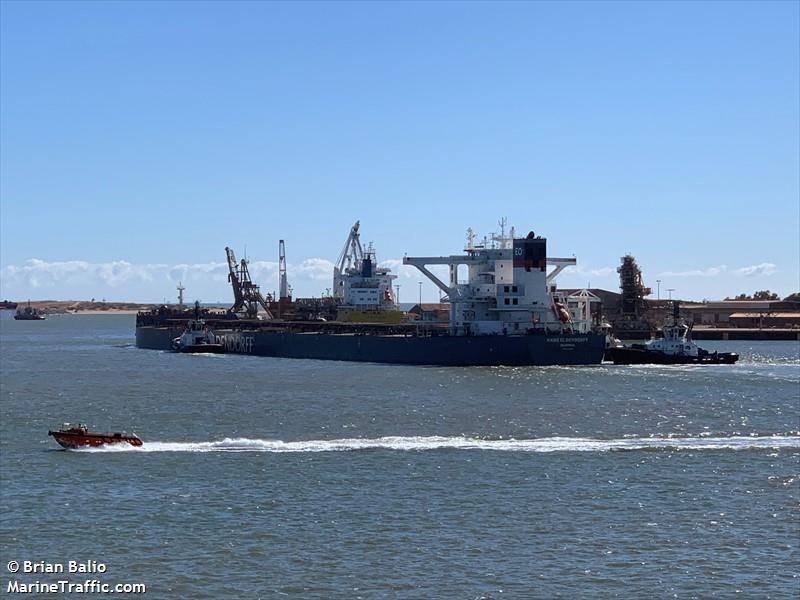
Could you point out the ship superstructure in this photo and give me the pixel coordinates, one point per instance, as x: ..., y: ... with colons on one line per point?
x: 359, y: 284
x: 508, y: 290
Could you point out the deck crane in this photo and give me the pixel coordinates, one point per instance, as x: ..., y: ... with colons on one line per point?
x: 233, y: 279
x: 246, y: 294
x: 350, y: 258
x: 284, y: 294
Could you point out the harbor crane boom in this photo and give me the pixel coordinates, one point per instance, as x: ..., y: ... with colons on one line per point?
x: 246, y: 294
x: 233, y: 279
x: 350, y: 257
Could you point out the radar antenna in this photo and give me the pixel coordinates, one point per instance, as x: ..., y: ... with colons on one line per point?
x: 501, y: 239
x: 470, y: 239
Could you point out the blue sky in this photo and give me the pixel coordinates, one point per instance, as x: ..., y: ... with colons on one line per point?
x: 138, y: 139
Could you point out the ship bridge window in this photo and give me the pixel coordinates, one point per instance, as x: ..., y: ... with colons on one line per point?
x: 505, y: 289
x: 514, y: 288
x: 516, y: 301
x: 506, y: 301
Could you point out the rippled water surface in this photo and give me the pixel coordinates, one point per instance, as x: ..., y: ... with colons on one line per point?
x: 268, y: 477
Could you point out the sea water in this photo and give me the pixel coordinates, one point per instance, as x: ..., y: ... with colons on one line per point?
x: 267, y: 478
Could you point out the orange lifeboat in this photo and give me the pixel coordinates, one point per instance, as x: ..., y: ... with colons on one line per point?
x: 561, y: 312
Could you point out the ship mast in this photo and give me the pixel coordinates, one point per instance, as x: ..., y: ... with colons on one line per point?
x: 470, y: 240
x: 503, y: 242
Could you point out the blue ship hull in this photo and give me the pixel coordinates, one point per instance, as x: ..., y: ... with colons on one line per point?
x: 493, y: 350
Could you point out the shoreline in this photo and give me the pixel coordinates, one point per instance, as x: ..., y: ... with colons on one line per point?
x: 110, y: 311
x: 70, y: 307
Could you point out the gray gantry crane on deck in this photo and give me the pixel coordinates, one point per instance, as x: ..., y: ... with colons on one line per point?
x: 246, y: 294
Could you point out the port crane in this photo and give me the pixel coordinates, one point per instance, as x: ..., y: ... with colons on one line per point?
x: 351, y: 257
x: 284, y: 291
x: 246, y: 294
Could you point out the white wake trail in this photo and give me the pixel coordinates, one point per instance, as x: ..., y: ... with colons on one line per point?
x: 421, y: 443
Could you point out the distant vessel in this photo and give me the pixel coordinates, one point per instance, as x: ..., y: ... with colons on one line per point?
x: 29, y: 314
x: 674, y: 348
x: 6, y: 305
x: 79, y: 436
x: 197, y: 338
x: 507, y: 312
x: 362, y: 289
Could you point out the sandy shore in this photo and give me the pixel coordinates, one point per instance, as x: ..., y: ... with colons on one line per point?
x: 113, y: 311
x: 86, y: 307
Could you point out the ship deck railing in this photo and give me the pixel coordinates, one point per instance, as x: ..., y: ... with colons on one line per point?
x: 177, y: 323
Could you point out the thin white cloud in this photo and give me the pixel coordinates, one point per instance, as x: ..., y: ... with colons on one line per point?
x: 315, y: 269
x: 584, y: 272
x: 707, y: 272
x: 40, y: 274
x: 760, y: 269
x: 196, y: 272
x: 260, y: 270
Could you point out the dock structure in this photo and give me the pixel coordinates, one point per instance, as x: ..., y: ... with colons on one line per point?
x: 631, y: 320
x: 746, y: 333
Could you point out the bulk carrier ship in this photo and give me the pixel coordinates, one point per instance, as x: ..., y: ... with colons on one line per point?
x: 507, y: 312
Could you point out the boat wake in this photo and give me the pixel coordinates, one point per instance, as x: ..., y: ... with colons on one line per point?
x: 553, y: 444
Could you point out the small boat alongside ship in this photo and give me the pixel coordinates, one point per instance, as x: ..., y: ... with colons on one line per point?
x: 78, y: 436
x: 197, y: 338
x: 675, y: 347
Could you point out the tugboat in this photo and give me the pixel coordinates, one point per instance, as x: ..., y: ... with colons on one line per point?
x: 675, y: 348
x: 29, y: 314
x: 79, y: 436
x: 197, y: 338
